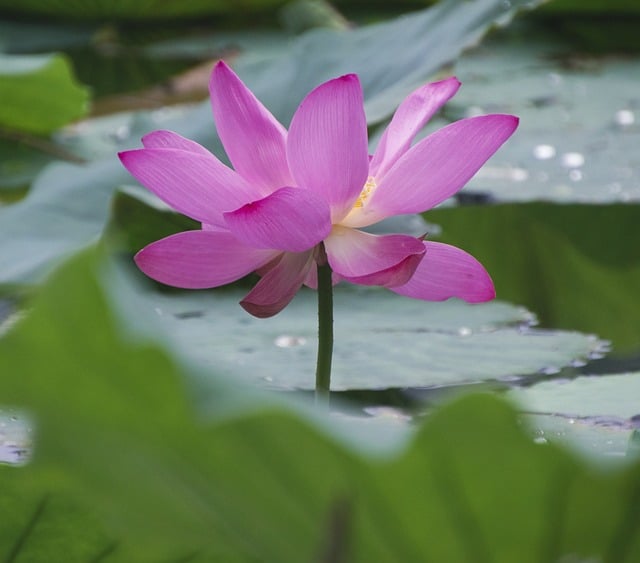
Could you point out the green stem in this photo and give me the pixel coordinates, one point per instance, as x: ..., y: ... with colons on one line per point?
x: 325, y: 334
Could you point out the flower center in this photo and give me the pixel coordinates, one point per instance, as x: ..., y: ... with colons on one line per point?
x: 369, y: 185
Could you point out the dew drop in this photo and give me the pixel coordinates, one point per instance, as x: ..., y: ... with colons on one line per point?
x: 465, y: 331
x: 625, y: 117
x: 572, y: 159
x: 540, y: 440
x: 550, y: 370
x: 288, y: 341
x: 544, y: 152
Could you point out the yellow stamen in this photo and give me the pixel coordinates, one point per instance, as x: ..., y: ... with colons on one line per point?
x: 369, y: 185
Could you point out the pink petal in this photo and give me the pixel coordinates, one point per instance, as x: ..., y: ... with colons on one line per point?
x: 290, y: 219
x: 436, y: 168
x: 373, y: 260
x: 253, y: 139
x: 327, y: 144
x: 396, y: 275
x: 163, y: 139
x: 447, y: 271
x: 312, y: 277
x: 416, y: 109
x: 200, y: 259
x: 197, y: 185
x: 278, y: 286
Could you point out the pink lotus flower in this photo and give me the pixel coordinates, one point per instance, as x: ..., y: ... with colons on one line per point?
x: 297, y: 198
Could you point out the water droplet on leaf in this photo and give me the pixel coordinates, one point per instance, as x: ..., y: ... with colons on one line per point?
x: 572, y: 159
x: 625, y: 117
x: 288, y: 341
x: 544, y: 152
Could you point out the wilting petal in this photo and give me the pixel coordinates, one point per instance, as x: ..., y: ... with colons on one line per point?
x: 289, y: 219
x: 327, y: 143
x: 416, y: 109
x: 200, y: 259
x: 279, y: 285
x: 436, y: 168
x: 197, y: 185
x: 163, y: 139
x: 253, y: 139
x: 371, y: 259
x: 447, y: 271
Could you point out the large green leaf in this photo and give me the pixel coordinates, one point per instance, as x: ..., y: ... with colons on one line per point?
x: 38, y: 93
x: 116, y: 429
x: 391, y: 58
x: 577, y: 267
x: 38, y: 526
x: 64, y: 211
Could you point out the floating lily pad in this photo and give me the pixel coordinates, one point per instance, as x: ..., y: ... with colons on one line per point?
x: 64, y: 211
x: 596, y: 414
x: 579, y: 121
x: 382, y: 340
x: 15, y: 436
x: 605, y: 397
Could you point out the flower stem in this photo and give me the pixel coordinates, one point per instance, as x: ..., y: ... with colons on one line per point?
x: 325, y: 334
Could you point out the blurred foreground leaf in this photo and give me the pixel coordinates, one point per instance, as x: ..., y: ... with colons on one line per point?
x: 38, y: 93
x: 38, y: 526
x: 116, y: 429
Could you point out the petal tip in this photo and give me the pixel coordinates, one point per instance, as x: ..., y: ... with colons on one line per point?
x: 453, y: 81
x: 259, y: 311
x: 126, y: 156
x: 221, y: 71
x: 221, y: 66
x: 351, y: 77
